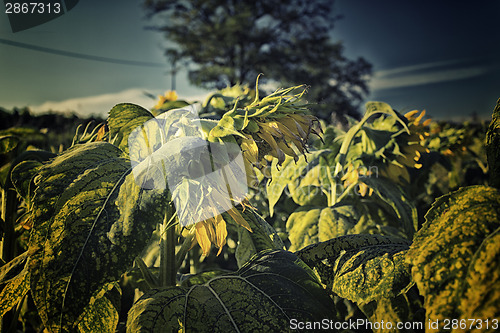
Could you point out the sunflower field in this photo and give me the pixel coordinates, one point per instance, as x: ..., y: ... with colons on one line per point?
x: 246, y: 213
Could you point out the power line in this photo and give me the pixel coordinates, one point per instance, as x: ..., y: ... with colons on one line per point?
x: 80, y: 55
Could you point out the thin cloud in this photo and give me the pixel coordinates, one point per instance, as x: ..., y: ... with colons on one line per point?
x: 426, y: 73
x: 100, y: 105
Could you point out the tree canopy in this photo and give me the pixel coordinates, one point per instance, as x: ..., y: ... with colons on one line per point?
x: 224, y: 42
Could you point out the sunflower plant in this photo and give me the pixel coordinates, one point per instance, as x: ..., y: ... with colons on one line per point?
x: 96, y: 206
x: 170, y: 183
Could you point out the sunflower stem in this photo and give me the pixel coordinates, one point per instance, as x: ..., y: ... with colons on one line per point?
x: 167, y: 247
x: 181, y: 254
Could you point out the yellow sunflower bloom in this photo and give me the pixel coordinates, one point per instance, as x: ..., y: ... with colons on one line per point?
x: 170, y: 96
x: 214, y: 230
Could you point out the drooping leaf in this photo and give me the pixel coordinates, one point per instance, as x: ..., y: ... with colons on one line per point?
x: 455, y: 255
x: 306, y: 171
x: 123, y: 119
x: 381, y: 107
x: 14, y: 291
x: 493, y: 147
x: 263, y: 296
x: 8, y: 143
x: 263, y: 237
x: 102, y: 314
x: 24, y: 168
x: 90, y: 220
x: 13, y: 267
x: 23, y: 175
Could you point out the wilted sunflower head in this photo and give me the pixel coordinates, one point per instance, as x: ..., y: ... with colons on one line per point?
x: 270, y: 127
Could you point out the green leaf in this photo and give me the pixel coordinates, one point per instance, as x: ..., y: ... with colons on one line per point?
x: 90, y: 220
x: 403, y: 308
x: 361, y: 268
x: 13, y: 268
x: 312, y: 224
x: 8, y: 143
x: 384, y: 108
x: 263, y: 237
x: 123, y: 119
x: 225, y: 127
x: 303, y: 226
x: 455, y: 255
x: 395, y: 196
x: 14, y: 291
x: 102, y: 314
x: 492, y: 147
x: 22, y: 176
x: 263, y: 296
x: 201, y: 278
x: 369, y: 270
x: 306, y: 171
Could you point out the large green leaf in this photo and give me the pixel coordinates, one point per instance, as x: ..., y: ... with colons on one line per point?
x: 123, y: 119
x: 91, y: 220
x: 455, y: 256
x: 360, y: 268
x: 263, y: 296
x: 263, y: 237
x: 369, y: 270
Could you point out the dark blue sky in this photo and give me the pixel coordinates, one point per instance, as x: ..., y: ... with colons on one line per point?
x: 442, y: 56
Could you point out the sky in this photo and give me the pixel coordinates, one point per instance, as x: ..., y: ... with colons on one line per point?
x: 442, y: 56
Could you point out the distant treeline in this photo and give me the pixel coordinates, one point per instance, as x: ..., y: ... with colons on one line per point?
x: 53, y: 121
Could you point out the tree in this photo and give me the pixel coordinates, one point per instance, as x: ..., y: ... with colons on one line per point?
x: 224, y: 42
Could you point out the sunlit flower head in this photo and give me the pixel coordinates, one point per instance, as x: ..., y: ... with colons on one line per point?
x: 170, y: 96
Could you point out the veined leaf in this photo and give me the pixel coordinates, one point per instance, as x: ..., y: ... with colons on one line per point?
x: 22, y: 178
x: 360, y: 268
x: 24, y: 169
x: 370, y: 271
x: 102, y: 314
x: 296, y: 175
x: 90, y: 220
x: 312, y: 224
x: 123, y: 119
x: 455, y: 255
x: 263, y: 237
x: 14, y: 291
x: 381, y: 107
x: 263, y: 296
x: 8, y: 143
